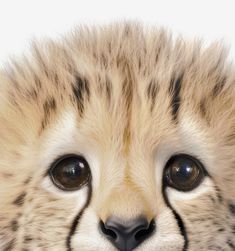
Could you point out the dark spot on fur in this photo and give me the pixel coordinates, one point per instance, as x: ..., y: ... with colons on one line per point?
x: 212, y: 199
x: 108, y: 88
x: 110, y: 48
x: 14, y: 225
x: 219, y: 195
x: 203, y: 108
x: 232, y: 208
x: 139, y: 63
x: 233, y: 229
x: 27, y: 238
x: 218, y: 87
x: 19, y: 201
x: 158, y: 50
x: 231, y: 244
x: 80, y: 90
x: 174, y: 90
x: 27, y: 180
x: 127, y: 88
x: 49, y: 106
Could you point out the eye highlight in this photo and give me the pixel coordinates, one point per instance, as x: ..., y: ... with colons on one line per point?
x: 183, y: 172
x: 70, y: 173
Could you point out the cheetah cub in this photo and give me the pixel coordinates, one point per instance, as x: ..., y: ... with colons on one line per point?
x: 118, y: 138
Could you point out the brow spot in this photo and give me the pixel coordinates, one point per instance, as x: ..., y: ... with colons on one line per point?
x: 19, y: 201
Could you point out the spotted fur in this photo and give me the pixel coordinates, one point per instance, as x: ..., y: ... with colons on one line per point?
x: 127, y: 98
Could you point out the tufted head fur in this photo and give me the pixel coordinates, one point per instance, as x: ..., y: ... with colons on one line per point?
x: 126, y: 98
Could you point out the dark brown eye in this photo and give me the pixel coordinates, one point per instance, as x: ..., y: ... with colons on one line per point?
x: 70, y: 173
x: 183, y: 172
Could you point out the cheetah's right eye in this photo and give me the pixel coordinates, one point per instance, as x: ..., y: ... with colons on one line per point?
x: 70, y: 173
x: 184, y: 173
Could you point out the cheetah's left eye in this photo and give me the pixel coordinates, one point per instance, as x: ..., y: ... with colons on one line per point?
x: 70, y: 173
x: 183, y: 172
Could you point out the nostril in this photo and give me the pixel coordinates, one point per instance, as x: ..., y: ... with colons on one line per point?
x: 108, y: 232
x: 127, y: 235
x: 145, y: 233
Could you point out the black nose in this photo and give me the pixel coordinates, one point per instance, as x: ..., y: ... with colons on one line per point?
x: 129, y: 235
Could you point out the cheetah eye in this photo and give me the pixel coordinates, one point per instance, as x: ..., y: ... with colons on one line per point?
x: 183, y: 172
x: 70, y: 173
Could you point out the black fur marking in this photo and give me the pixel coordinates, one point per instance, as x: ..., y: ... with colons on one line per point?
x: 174, y: 90
x: 233, y: 229
x: 203, y: 108
x: 127, y: 92
x: 152, y: 91
x: 27, y: 239
x: 127, y: 87
x: 108, y: 88
x: 232, y: 208
x: 158, y: 51
x: 230, y: 244
x: 80, y: 89
x: 77, y: 218
x: 27, y: 180
x: 219, y: 195
x: 218, y: 87
x: 177, y: 217
x: 14, y: 225
x: 139, y: 63
x: 19, y: 201
x: 49, y: 106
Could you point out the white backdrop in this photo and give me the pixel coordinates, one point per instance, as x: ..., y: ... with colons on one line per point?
x: 23, y: 20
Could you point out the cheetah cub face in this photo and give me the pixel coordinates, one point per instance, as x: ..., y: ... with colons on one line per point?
x: 118, y: 139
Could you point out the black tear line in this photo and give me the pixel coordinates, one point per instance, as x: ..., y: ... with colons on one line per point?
x: 77, y: 218
x: 178, y: 219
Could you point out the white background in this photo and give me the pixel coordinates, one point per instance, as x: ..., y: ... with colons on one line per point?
x: 23, y: 20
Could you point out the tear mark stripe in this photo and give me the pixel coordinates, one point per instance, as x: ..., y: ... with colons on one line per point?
x: 77, y: 219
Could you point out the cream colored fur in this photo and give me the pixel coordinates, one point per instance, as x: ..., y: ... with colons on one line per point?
x: 126, y: 130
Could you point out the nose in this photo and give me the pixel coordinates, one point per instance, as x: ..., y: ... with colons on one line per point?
x: 127, y: 236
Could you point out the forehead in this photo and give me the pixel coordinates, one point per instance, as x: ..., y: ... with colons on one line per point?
x: 121, y: 81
